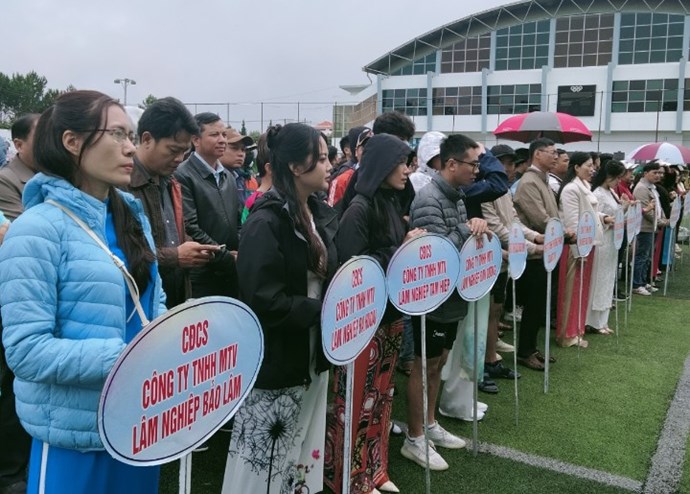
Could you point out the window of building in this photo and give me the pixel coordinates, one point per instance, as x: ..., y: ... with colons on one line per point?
x: 521, y: 47
x: 469, y: 55
x: 650, y: 38
x: 645, y: 96
x: 418, y: 67
x: 513, y: 99
x: 583, y: 41
x: 411, y: 102
x: 466, y: 100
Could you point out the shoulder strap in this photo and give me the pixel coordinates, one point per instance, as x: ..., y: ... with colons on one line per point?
x: 131, y: 285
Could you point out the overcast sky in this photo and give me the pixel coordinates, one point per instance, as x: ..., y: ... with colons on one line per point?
x: 218, y: 50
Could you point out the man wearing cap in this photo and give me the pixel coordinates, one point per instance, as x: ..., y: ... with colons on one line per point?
x: 211, y: 207
x: 233, y: 160
x: 428, y: 158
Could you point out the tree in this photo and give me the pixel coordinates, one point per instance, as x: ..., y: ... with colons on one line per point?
x: 255, y: 134
x: 243, y: 129
x: 148, y: 101
x: 20, y: 94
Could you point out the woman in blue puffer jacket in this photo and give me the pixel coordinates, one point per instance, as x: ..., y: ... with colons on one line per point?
x: 66, y: 310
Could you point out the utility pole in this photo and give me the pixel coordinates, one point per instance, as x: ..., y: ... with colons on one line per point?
x: 125, y: 82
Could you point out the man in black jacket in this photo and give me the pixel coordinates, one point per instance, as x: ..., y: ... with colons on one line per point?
x: 211, y: 211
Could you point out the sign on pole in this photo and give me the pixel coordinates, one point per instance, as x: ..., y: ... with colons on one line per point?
x: 586, y: 231
x: 553, y: 248
x: 181, y: 378
x: 352, y: 309
x: 553, y: 244
x: 480, y: 259
x: 422, y: 274
x: 618, y: 228
x: 517, y: 251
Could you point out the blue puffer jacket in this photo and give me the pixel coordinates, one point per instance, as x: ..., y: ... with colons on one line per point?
x: 63, y: 311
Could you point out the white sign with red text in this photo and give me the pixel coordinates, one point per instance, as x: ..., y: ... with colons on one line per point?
x: 180, y: 379
x: 352, y: 309
x: 480, y: 260
x: 586, y: 232
x: 553, y: 243
x: 422, y: 274
x: 618, y: 228
x: 517, y: 251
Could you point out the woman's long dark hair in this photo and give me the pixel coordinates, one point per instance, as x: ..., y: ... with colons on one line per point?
x: 85, y: 112
x: 576, y: 159
x: 610, y: 169
x: 297, y: 144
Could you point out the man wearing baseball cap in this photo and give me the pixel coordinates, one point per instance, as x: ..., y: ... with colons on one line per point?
x: 233, y: 160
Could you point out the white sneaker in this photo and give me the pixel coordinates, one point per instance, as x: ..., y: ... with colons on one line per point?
x: 640, y: 290
x: 503, y: 347
x: 415, y: 450
x: 482, y: 407
x: 468, y: 418
x: 651, y: 288
x: 444, y: 439
x: 388, y: 486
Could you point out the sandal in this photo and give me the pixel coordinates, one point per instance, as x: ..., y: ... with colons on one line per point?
x: 593, y: 330
x: 405, y: 368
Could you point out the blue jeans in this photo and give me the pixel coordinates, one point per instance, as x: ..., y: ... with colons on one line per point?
x: 643, y: 259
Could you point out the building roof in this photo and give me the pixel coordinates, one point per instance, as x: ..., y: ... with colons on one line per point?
x: 509, y: 15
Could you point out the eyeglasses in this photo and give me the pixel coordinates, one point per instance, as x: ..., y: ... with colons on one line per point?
x: 120, y: 135
x: 473, y: 164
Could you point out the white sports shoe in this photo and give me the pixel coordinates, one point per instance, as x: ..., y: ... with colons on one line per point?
x: 640, y: 290
x: 444, y: 439
x: 651, y: 288
x: 469, y: 417
x: 503, y: 347
x: 415, y: 449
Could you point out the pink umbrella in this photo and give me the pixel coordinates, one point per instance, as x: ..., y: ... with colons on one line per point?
x: 559, y: 127
x: 664, y: 151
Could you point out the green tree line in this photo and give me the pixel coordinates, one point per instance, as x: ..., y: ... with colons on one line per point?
x: 25, y: 93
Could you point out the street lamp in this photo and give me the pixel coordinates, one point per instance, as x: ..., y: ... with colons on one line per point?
x: 125, y: 82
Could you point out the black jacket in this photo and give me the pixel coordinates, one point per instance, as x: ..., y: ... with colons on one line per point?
x: 272, y: 264
x: 211, y: 216
x: 359, y: 233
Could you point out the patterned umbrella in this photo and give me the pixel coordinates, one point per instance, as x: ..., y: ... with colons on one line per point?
x: 559, y: 127
x: 663, y: 151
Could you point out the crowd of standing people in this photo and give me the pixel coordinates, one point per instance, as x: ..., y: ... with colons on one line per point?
x: 175, y: 199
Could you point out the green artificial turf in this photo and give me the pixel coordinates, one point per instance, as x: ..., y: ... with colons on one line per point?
x: 604, y: 410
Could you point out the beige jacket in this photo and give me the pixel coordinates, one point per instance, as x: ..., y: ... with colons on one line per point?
x: 500, y: 215
x: 646, y: 193
x: 13, y: 177
x: 576, y: 198
x: 535, y: 202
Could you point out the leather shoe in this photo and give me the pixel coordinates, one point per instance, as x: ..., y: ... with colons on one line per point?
x: 531, y: 362
x: 542, y: 358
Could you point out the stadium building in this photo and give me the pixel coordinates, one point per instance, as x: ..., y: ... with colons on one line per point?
x: 620, y: 66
